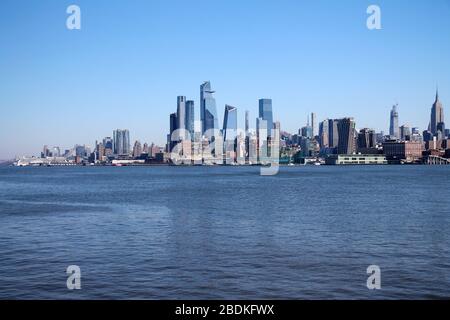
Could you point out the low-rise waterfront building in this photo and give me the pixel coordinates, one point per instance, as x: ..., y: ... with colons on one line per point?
x: 355, y: 159
x: 403, y: 151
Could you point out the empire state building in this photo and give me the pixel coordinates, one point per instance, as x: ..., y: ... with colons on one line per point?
x: 437, y: 115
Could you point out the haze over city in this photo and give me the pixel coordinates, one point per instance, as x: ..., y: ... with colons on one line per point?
x: 128, y: 63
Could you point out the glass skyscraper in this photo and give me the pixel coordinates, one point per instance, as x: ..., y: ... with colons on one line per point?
x: 121, y: 142
x: 190, y: 118
x: 230, y: 123
x: 208, y: 112
x: 394, y: 128
x: 265, y: 113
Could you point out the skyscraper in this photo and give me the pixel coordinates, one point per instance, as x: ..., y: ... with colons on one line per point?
x: 121, y: 139
x: 437, y: 115
x: 230, y: 123
x: 393, y: 128
x: 181, y: 115
x: 230, y: 132
x: 313, y: 124
x: 190, y: 118
x: 137, y: 149
x: 405, y: 132
x: 247, y: 123
x: 366, y: 139
x: 333, y: 134
x: 265, y: 113
x: 346, y: 131
x: 324, y: 134
x: 208, y: 112
x: 173, y: 127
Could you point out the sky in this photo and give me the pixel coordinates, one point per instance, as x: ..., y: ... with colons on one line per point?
x: 132, y: 58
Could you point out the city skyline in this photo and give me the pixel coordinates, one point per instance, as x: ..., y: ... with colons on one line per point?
x: 63, y: 88
x: 184, y: 118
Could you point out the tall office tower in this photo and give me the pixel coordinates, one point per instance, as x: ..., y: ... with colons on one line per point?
x: 437, y: 114
x: 99, y: 150
x: 108, y: 143
x: 324, y: 134
x: 333, y: 134
x: 306, y: 131
x: 346, y: 132
x: 405, y: 132
x: 313, y: 124
x: 145, y: 148
x: 126, y: 142
x: 393, y: 128
x: 366, y: 138
x: 190, y: 118
x: 247, y: 123
x: 181, y: 114
x: 230, y: 131
x: 265, y: 113
x: 415, y: 130
x: 173, y: 127
x: 121, y: 142
x: 247, y: 135
x: 118, y: 141
x: 137, y: 149
x: 262, y: 140
x: 230, y: 123
x: 208, y: 112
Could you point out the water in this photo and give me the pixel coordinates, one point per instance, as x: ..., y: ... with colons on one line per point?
x: 225, y: 232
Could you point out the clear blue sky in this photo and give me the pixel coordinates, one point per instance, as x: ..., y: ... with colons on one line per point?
x: 132, y: 58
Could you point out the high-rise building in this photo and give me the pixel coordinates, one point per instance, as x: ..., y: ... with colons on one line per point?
x: 173, y: 127
x: 247, y: 123
x: 230, y: 123
x: 313, y: 124
x: 208, y: 112
x: 306, y: 131
x: 265, y: 113
x: 137, y: 149
x: 181, y: 115
x: 262, y: 141
x: 121, y: 142
x: 393, y: 128
x: 366, y: 139
x: 346, y: 131
x: 437, y: 115
x: 324, y: 134
x: 190, y: 118
x: 333, y: 134
x: 405, y: 133
x: 230, y: 131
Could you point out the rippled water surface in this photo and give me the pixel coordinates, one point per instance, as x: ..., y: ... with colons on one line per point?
x: 225, y: 232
